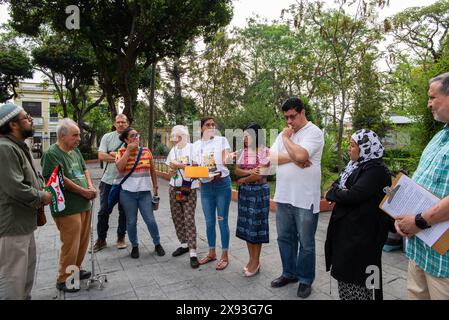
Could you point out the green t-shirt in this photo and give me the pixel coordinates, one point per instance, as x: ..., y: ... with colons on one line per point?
x: 72, y: 166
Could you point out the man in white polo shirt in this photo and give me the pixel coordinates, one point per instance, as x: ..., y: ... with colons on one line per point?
x: 297, y: 152
x: 109, y: 145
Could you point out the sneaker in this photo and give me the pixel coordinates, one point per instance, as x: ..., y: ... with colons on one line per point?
x: 135, y: 253
x: 304, y: 290
x: 121, y: 244
x: 180, y: 251
x: 159, y: 250
x: 194, y: 263
x: 99, y: 245
x: 85, y: 274
x: 62, y: 287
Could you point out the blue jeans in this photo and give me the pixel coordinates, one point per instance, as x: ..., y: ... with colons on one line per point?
x: 215, y: 200
x: 131, y: 201
x: 297, y: 226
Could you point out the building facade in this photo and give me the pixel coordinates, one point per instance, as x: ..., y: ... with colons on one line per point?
x: 40, y: 102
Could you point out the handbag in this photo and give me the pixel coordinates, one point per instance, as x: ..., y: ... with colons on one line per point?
x: 114, y: 193
x: 186, y: 187
x: 184, y: 190
x: 41, y: 218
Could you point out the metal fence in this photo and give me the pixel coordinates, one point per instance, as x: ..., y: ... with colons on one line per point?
x: 159, y: 163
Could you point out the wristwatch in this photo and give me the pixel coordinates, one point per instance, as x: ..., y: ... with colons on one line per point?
x: 420, y: 222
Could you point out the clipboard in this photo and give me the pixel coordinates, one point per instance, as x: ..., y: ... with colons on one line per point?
x: 404, y: 188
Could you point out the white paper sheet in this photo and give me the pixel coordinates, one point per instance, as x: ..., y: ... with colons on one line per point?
x: 411, y: 199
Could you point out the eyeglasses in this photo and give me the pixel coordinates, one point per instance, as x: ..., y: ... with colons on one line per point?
x: 27, y: 117
x: 132, y: 136
x: 291, y: 117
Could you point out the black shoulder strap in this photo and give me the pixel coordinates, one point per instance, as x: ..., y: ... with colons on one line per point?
x: 107, y: 163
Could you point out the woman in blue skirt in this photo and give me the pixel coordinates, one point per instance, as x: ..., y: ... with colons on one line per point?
x: 253, y: 167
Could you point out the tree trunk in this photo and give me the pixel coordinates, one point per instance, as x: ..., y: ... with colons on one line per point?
x: 151, y: 109
x: 92, y: 135
x: 339, y: 142
x: 334, y: 105
x: 108, y: 89
x: 127, y: 99
x: 126, y: 66
x: 340, y: 132
x: 178, y: 93
x: 60, y: 92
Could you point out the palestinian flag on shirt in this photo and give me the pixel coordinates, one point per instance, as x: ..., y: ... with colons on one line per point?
x: 55, y: 185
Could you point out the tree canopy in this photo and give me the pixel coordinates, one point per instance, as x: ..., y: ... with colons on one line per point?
x: 124, y: 34
x: 15, y: 65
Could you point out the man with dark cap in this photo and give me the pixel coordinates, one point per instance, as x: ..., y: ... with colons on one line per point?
x: 21, y: 195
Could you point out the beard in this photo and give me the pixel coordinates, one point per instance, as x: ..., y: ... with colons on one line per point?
x: 27, y: 133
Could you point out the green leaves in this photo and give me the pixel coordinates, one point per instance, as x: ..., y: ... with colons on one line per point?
x: 124, y: 34
x: 14, y: 66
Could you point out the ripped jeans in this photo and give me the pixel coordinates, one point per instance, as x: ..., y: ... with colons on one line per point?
x: 215, y: 200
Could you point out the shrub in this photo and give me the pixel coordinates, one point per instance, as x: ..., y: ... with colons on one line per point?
x: 160, y: 149
x: 395, y: 165
x: 90, y: 155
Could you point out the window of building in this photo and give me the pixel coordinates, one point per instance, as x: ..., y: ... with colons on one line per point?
x: 53, y: 137
x: 34, y: 109
x: 53, y: 112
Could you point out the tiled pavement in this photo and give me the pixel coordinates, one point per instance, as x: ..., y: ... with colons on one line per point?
x: 153, y: 277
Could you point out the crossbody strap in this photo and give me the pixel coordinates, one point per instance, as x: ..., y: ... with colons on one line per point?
x: 107, y: 163
x: 134, y: 167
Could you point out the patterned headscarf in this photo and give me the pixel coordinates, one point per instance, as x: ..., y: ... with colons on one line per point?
x: 370, y: 148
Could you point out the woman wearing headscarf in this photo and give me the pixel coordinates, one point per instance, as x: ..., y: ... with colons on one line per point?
x: 357, y: 228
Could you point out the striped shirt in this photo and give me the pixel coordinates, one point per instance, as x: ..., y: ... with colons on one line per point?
x: 432, y: 174
x: 140, y: 180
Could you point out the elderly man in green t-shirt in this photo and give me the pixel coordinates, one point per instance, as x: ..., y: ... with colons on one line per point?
x: 74, y: 221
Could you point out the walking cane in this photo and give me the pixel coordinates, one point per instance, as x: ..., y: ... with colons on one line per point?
x: 101, y: 277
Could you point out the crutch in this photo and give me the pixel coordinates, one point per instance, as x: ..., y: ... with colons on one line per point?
x: 101, y: 277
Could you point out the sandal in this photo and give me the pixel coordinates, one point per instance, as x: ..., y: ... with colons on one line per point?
x: 207, y: 259
x: 222, y: 264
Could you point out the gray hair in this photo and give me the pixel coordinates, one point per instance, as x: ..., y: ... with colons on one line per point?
x: 444, y: 79
x: 63, y: 127
x: 181, y: 131
x: 121, y: 115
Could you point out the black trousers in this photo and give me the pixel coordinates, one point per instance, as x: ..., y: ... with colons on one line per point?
x: 105, y: 212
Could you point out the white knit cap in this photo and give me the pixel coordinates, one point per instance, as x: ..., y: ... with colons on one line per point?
x: 8, y: 111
